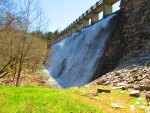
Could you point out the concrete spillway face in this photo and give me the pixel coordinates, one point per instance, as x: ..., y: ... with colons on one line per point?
x: 74, y: 60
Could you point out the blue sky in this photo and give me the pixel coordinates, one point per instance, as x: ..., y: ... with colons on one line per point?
x: 61, y: 13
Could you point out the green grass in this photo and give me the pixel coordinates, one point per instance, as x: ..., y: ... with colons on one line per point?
x: 117, y: 96
x: 41, y: 100
x: 34, y: 99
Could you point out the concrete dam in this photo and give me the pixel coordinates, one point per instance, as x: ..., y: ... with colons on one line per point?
x: 74, y: 60
x: 77, y: 59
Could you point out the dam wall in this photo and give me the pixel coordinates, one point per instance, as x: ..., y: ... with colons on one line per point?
x: 136, y: 25
x: 74, y: 60
x: 130, y: 37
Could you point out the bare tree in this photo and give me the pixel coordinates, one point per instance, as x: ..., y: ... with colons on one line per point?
x: 20, y: 44
x: 31, y: 13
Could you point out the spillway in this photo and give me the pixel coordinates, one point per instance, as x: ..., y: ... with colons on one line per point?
x: 74, y: 60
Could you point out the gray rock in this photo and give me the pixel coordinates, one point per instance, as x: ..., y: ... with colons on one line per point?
x: 134, y: 93
x: 101, y: 81
x: 103, y: 90
x: 148, y: 97
x: 106, y: 83
x: 144, y: 87
x: 114, y: 105
x: 91, y: 94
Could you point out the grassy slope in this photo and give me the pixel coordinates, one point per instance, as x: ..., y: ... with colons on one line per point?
x: 34, y: 99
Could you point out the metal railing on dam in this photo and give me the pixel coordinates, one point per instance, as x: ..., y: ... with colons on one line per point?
x: 82, y: 21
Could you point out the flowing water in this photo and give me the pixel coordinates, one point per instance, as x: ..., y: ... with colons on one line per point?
x: 74, y: 60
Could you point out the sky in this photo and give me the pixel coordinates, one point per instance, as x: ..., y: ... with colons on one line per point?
x: 61, y: 13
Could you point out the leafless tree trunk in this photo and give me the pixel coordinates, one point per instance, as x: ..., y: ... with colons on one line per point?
x: 17, y: 32
x: 31, y: 8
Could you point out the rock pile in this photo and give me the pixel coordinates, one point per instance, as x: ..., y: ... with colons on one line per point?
x: 132, y: 78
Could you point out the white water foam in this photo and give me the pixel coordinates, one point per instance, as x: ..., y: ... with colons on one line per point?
x: 73, y: 60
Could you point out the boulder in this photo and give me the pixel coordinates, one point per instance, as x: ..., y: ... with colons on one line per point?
x: 114, y: 105
x: 148, y: 97
x: 134, y: 93
x: 103, y: 90
x: 91, y: 94
x: 144, y: 87
x: 106, y: 83
x: 101, y: 81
